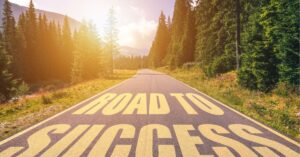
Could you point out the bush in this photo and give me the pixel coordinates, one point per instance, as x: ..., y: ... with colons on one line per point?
x: 261, y: 110
x: 22, y: 89
x: 190, y: 65
x: 220, y: 65
x: 46, y: 100
x: 59, y: 95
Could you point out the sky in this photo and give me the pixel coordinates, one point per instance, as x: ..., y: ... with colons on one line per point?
x: 137, y: 19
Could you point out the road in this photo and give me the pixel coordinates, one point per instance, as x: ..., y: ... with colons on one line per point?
x: 150, y: 114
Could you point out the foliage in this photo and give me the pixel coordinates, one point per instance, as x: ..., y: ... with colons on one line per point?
x: 9, y: 86
x: 215, y: 36
x: 160, y: 44
x: 182, y: 21
x: 87, y: 55
x: 7, y: 82
x: 25, y: 112
x: 35, y: 49
x: 276, y: 109
x: 207, y: 33
x: 111, y: 39
x: 137, y: 62
x: 271, y: 45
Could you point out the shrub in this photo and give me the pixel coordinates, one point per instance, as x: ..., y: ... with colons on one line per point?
x: 46, y: 100
x: 190, y: 65
x: 220, y: 65
x: 59, y: 95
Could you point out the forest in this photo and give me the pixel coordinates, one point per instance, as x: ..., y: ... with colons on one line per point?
x: 35, y: 49
x: 259, y: 39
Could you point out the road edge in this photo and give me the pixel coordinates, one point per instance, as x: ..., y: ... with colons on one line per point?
x: 62, y: 112
x: 243, y: 115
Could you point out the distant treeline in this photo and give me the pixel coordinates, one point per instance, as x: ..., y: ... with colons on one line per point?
x: 131, y: 62
x: 34, y: 49
x: 205, y: 34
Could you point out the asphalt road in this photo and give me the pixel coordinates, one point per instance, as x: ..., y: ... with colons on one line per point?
x: 150, y: 114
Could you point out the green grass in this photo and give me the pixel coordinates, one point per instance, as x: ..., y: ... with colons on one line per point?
x: 277, y: 109
x: 19, y: 115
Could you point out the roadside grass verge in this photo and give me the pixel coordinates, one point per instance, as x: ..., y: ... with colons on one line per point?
x: 17, y: 116
x: 277, y: 109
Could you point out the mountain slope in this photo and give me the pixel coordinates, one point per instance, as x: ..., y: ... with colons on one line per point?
x: 17, y: 10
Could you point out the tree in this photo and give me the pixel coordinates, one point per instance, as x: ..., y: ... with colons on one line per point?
x: 9, y: 35
x: 189, y: 38
x: 30, y: 52
x: 216, y: 36
x: 179, y: 19
x: 160, y: 44
x: 8, y: 84
x: 67, y: 49
x: 87, y: 54
x: 238, y: 33
x: 258, y: 70
x: 271, y: 46
x: 280, y: 19
x: 111, y: 39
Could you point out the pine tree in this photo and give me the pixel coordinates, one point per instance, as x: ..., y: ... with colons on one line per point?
x: 21, y: 46
x: 271, y: 45
x: 216, y: 34
x: 8, y: 85
x: 87, y: 54
x: 42, y: 48
x: 281, y: 22
x: 30, y: 52
x: 111, y: 39
x: 10, y: 36
x: 67, y: 49
x: 258, y: 70
x: 179, y: 19
x: 160, y: 44
x: 189, y: 39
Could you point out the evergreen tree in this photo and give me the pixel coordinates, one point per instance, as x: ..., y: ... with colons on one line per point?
x: 271, y: 43
x: 189, y: 39
x: 67, y: 49
x: 8, y: 85
x: 111, y: 39
x: 179, y: 19
x: 42, y: 44
x: 21, y: 46
x: 87, y: 54
x: 9, y: 35
x: 160, y: 44
x: 281, y: 22
x: 258, y: 70
x: 30, y: 52
x: 216, y: 34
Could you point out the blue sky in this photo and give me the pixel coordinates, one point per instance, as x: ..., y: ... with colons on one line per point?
x: 137, y: 19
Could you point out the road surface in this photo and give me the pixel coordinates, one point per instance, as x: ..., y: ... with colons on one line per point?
x: 150, y: 114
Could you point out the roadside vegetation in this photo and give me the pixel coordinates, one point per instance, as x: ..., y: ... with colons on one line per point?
x: 278, y: 109
x: 49, y: 100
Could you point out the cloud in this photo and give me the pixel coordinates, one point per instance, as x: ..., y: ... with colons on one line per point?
x: 139, y: 34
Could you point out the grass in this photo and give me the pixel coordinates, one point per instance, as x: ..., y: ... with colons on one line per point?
x: 17, y: 116
x: 277, y: 109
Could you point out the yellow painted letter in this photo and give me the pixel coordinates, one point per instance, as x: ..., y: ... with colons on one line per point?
x: 187, y: 142
x: 145, y: 141
x: 247, y: 132
x: 158, y: 104
x: 212, y: 132
x: 104, y: 143
x: 204, y: 104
